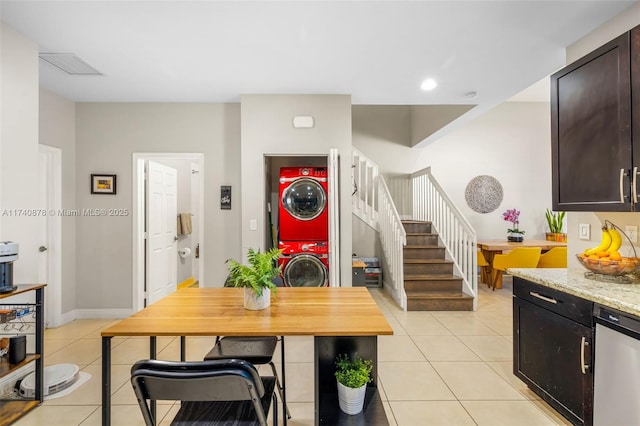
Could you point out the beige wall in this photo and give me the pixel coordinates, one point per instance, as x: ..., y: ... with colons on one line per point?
x: 510, y: 142
x: 107, y: 136
x: 57, y: 129
x: 267, y: 129
x: 19, y: 148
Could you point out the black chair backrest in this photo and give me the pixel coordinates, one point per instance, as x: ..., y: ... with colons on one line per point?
x: 219, y: 380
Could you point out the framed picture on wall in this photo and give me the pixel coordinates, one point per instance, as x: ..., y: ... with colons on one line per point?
x: 103, y: 183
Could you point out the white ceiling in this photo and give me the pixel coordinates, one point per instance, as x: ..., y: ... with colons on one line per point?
x: 376, y: 51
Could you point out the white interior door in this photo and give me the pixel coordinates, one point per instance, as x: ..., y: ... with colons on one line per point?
x: 195, y: 210
x: 162, y: 211
x: 333, y: 196
x: 50, y: 231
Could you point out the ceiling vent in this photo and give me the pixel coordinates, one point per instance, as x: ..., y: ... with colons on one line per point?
x: 69, y: 63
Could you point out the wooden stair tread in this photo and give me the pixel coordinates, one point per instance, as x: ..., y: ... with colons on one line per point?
x: 412, y: 277
x: 417, y: 234
x: 432, y: 261
x: 415, y: 221
x: 431, y: 246
x: 437, y: 295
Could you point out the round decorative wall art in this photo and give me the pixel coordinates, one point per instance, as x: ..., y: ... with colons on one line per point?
x: 483, y: 194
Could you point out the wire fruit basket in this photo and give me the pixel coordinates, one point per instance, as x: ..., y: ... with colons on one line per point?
x: 608, y: 266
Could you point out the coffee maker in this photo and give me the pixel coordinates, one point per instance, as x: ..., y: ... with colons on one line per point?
x: 8, y: 255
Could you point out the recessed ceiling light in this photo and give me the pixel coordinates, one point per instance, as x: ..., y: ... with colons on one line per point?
x: 428, y: 84
x: 471, y: 95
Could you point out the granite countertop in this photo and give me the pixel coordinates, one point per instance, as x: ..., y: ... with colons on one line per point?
x: 624, y: 297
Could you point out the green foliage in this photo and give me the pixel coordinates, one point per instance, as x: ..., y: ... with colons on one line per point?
x: 259, y: 274
x: 554, y: 220
x: 353, y: 373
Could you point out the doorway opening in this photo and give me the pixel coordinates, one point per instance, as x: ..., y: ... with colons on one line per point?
x: 189, y: 201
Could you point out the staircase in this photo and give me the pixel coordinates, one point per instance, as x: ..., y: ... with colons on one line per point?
x: 429, y: 261
x: 429, y: 282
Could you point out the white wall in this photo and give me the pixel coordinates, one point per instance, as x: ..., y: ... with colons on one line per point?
x: 19, y: 148
x: 57, y: 128
x: 511, y: 143
x: 107, y: 135
x: 267, y: 129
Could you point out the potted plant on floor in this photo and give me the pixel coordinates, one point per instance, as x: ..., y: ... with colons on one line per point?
x: 556, y: 223
x: 353, y: 376
x: 256, y: 278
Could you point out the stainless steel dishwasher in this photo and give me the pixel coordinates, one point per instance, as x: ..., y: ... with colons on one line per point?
x: 617, y: 368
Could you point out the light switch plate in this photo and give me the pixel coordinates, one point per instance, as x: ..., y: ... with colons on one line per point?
x: 253, y: 224
x: 632, y: 232
x: 585, y: 231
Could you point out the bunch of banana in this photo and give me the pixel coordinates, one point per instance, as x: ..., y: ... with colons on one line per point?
x: 609, y: 244
x: 605, y: 243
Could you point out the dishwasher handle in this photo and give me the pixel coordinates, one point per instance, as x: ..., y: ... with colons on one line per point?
x: 623, y: 322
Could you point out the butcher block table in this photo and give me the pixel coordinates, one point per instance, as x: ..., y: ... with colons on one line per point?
x: 489, y: 249
x: 341, y: 319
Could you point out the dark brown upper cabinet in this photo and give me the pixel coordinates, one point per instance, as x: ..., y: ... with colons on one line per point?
x: 595, y: 129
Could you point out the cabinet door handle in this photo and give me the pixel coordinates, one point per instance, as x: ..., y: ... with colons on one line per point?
x: 634, y: 187
x: 583, y: 345
x: 622, y: 185
x: 546, y: 299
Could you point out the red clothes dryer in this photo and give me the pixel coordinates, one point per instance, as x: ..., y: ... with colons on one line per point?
x: 303, y: 213
x: 304, y: 264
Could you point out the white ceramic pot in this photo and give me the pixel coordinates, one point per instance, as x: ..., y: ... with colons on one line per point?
x: 254, y: 302
x: 351, y: 399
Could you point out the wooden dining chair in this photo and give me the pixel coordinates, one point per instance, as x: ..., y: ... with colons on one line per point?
x: 222, y: 392
x: 520, y: 257
x: 554, y: 258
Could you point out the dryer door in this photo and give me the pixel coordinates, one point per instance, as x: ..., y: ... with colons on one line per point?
x: 304, y: 199
x: 305, y: 270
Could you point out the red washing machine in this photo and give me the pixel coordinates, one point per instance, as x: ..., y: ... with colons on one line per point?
x: 304, y: 264
x: 303, y: 213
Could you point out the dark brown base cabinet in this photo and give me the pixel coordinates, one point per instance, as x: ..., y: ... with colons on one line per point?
x: 552, y: 348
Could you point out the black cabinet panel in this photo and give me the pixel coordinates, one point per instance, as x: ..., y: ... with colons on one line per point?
x: 591, y: 130
x: 552, y: 350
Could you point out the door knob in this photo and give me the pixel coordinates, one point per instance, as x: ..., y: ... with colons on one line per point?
x: 42, y: 248
x: 175, y: 238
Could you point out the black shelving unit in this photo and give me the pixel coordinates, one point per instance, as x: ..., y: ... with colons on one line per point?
x: 12, y: 409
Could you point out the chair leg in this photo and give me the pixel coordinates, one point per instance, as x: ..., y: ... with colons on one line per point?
x: 496, y: 279
x: 275, y: 409
x: 280, y: 390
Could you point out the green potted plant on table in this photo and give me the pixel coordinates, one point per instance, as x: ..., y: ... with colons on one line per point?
x: 352, y: 376
x: 256, y: 278
x: 556, y: 223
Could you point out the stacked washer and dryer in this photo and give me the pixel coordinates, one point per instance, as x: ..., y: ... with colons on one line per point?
x: 304, y: 226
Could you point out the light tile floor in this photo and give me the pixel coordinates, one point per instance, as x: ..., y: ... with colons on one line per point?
x: 439, y: 368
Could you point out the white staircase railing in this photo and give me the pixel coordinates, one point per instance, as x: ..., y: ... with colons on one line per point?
x: 393, y: 238
x: 365, y: 193
x: 431, y: 203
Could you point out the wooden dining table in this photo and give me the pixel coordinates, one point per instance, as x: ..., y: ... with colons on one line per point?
x: 341, y: 320
x: 490, y: 248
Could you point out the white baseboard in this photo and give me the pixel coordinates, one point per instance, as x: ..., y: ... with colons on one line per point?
x: 95, y: 314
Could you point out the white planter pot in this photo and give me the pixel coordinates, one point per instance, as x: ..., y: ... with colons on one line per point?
x: 254, y: 302
x: 351, y: 399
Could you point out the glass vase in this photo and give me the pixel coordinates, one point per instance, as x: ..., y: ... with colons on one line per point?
x: 515, y: 237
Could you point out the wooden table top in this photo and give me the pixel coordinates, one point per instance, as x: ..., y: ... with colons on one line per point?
x: 503, y: 245
x: 23, y: 288
x: 333, y: 311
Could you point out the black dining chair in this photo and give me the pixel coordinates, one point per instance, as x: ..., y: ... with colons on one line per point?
x: 257, y: 350
x: 218, y: 392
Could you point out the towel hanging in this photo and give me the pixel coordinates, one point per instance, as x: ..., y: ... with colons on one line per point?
x: 184, y: 224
